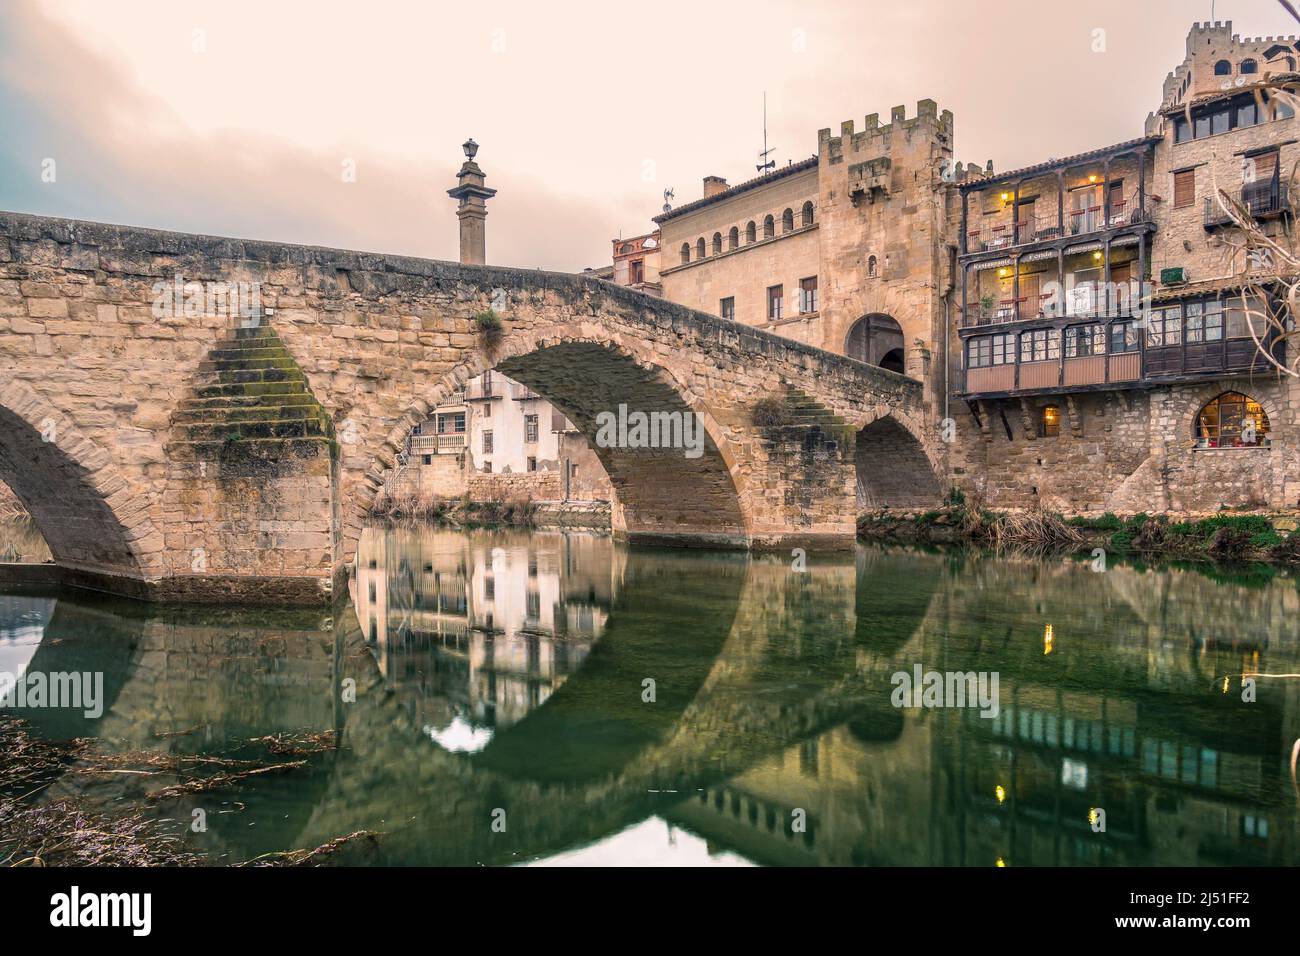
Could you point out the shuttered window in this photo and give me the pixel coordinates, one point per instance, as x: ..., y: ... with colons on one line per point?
x: 1184, y: 188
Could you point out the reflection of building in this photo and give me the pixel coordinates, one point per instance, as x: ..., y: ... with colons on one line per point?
x: 1137, y: 711
x: 473, y: 631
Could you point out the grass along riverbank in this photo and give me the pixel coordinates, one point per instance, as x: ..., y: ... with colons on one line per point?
x: 1225, y: 536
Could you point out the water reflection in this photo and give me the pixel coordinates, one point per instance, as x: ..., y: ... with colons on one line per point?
x: 689, y: 707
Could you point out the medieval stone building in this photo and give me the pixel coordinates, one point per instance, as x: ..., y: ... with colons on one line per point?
x: 1077, y: 322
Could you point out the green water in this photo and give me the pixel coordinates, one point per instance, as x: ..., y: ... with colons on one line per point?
x: 510, y: 698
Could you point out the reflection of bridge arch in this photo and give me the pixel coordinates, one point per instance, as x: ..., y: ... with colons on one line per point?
x: 780, y: 660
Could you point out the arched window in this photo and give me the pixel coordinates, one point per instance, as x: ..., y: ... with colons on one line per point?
x: 717, y: 243
x: 1223, y: 68
x: 808, y: 213
x: 751, y: 232
x: 1249, y: 66
x: 873, y: 268
x: 787, y: 220
x: 769, y: 227
x: 686, y: 252
x: 699, y: 248
x: 1049, y: 421
x: 733, y: 238
x: 877, y: 340
x: 1231, y: 420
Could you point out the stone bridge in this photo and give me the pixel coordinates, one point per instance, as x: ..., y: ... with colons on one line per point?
x: 170, y: 447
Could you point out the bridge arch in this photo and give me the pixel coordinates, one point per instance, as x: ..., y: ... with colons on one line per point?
x: 894, y: 468
x: 585, y: 374
x: 90, y: 519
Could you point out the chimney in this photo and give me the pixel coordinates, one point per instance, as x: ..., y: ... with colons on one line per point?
x: 714, y: 185
x: 472, y: 211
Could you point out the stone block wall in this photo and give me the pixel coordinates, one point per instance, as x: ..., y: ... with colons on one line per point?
x: 524, y: 486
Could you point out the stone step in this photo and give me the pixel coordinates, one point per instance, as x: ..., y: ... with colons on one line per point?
x: 270, y: 446
x: 250, y: 389
x: 253, y: 352
x: 225, y: 431
x: 257, y: 413
x: 258, y: 376
x: 242, y: 364
x: 216, y: 403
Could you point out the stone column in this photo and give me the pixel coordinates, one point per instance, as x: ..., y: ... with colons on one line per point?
x: 472, y: 211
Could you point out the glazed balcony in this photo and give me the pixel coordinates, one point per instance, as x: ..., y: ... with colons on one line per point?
x: 1069, y: 355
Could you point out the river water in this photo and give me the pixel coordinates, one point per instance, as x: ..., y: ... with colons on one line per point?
x: 556, y: 698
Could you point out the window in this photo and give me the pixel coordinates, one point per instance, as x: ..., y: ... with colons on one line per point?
x: 727, y: 308
x: 487, y: 467
x: 686, y: 252
x: 1232, y: 420
x: 1165, y: 327
x: 1247, y: 114
x: 1049, y: 422
x: 985, y: 350
x: 1123, y: 337
x: 1040, y: 345
x: 636, y: 271
x: 733, y: 238
x: 717, y: 243
x: 808, y: 213
x: 1223, y: 68
x: 769, y: 227
x: 487, y: 445
x: 775, y: 298
x: 451, y: 424
x: 808, y: 294
x: 426, y: 459
x: 1249, y: 66
x: 1260, y: 168
x: 530, y: 428
x: 787, y: 220
x: 699, y: 248
x: 1242, y: 315
x: 487, y: 409
x: 1183, y: 130
x: 1203, y: 321
x: 1085, y: 340
x: 751, y: 232
x: 1184, y: 188
x: 532, y: 463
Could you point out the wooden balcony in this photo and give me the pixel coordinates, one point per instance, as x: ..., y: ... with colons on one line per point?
x: 1186, y: 361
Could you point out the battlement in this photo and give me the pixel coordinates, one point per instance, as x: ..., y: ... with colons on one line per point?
x: 869, y: 139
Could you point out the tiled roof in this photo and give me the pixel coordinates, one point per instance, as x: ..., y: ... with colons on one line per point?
x: 999, y: 178
x: 739, y: 188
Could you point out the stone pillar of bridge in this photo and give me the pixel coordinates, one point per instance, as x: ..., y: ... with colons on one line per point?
x: 472, y: 211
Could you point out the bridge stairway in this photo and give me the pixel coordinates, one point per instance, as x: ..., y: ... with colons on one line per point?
x: 250, y: 388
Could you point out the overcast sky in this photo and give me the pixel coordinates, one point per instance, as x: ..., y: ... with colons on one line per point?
x: 241, y: 117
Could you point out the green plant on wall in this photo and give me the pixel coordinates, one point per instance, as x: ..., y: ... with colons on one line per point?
x: 489, y: 325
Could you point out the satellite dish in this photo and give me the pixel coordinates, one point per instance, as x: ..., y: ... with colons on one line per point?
x: 1240, y: 81
x: 1227, y: 85
x: 668, y: 200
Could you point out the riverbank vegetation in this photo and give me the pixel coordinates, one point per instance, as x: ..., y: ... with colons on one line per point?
x: 1221, y: 537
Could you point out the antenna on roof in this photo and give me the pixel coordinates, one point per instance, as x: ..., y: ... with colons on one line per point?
x: 668, y: 200
x: 764, y: 163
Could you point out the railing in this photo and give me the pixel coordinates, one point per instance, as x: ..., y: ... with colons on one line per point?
x: 1267, y: 198
x: 1082, y: 302
x: 1124, y: 211
x: 445, y: 444
x: 480, y: 390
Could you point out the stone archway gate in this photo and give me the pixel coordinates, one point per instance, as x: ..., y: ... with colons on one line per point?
x: 177, y: 438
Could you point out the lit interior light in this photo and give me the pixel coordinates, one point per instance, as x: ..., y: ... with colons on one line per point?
x: 1001, y: 793
x: 1096, y: 256
x: 1047, y: 639
x: 1006, y: 196
x: 1092, y: 178
x: 1001, y: 862
x: 1225, y: 685
x: 1092, y: 816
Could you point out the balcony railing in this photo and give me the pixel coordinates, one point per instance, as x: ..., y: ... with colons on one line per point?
x: 448, y: 443
x: 1261, y: 200
x: 477, y: 391
x: 1083, y: 302
x: 988, y: 237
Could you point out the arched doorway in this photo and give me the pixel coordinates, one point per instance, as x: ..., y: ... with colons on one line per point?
x: 876, y: 339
